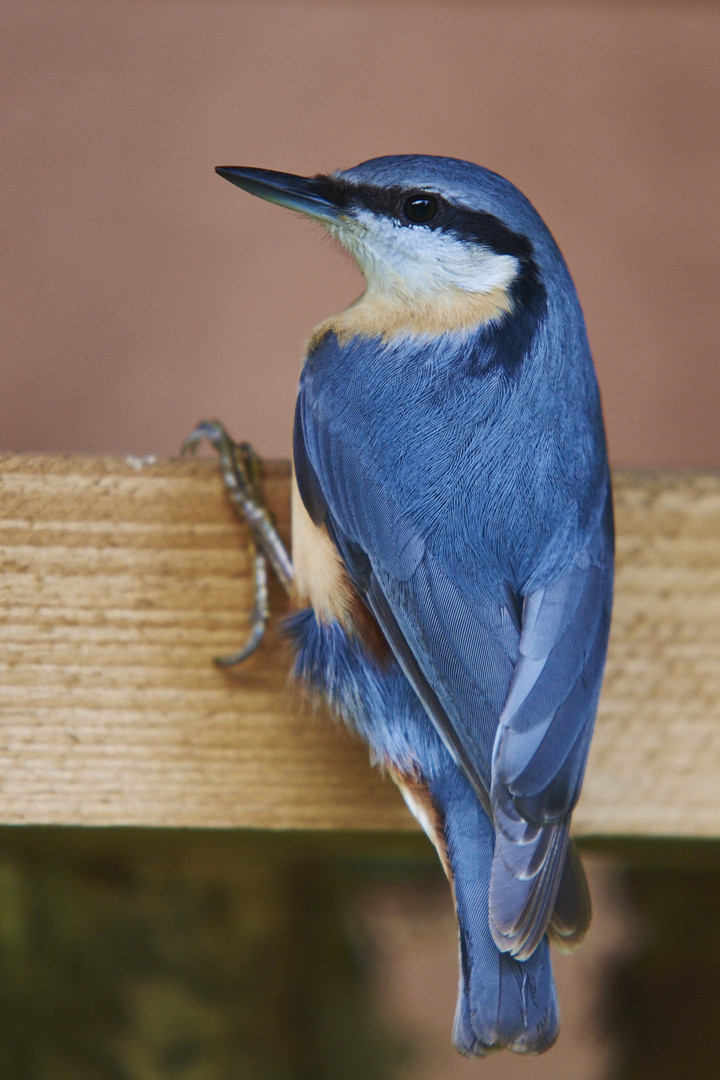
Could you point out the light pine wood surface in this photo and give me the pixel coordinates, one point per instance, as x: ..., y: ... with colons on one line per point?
x: 120, y: 578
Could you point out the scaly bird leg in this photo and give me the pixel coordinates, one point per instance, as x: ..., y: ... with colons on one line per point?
x: 241, y: 474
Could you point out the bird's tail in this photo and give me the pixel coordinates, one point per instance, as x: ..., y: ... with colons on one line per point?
x: 502, y: 1002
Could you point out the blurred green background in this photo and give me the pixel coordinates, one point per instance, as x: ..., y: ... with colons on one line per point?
x: 150, y: 954
x: 202, y: 956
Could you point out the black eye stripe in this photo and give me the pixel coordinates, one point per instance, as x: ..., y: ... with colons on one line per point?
x: 385, y: 202
x: 473, y: 225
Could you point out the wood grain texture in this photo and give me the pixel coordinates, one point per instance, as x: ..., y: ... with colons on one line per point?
x: 121, y: 578
x: 654, y: 765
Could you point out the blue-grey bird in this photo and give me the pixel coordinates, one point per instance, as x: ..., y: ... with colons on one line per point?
x: 453, y: 549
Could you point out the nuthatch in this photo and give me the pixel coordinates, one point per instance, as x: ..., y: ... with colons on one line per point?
x: 453, y: 549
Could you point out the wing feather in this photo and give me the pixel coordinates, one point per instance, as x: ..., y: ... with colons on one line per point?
x: 540, y: 752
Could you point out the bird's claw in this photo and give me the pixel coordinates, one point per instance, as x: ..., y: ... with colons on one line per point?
x: 241, y: 474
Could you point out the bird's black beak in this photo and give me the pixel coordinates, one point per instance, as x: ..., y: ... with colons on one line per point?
x: 308, y: 195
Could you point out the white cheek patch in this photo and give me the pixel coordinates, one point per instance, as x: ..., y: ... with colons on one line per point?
x: 420, y: 261
x: 420, y: 281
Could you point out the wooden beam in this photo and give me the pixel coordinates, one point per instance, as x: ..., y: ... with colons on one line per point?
x: 120, y: 578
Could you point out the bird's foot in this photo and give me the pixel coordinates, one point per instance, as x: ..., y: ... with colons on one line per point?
x: 241, y: 475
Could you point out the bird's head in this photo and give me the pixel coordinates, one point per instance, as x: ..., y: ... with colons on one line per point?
x: 443, y: 244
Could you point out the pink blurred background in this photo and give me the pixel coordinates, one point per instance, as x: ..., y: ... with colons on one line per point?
x: 141, y: 293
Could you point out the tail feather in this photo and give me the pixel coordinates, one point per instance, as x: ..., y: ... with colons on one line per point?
x: 502, y: 1002
x: 573, y: 909
x: 524, y: 885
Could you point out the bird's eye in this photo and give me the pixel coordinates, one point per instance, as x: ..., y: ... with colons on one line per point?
x: 420, y: 209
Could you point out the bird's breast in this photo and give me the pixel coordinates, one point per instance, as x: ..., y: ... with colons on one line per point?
x: 388, y: 314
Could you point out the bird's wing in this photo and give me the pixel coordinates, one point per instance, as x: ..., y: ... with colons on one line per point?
x: 457, y: 649
x: 542, y: 742
x: 513, y: 695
